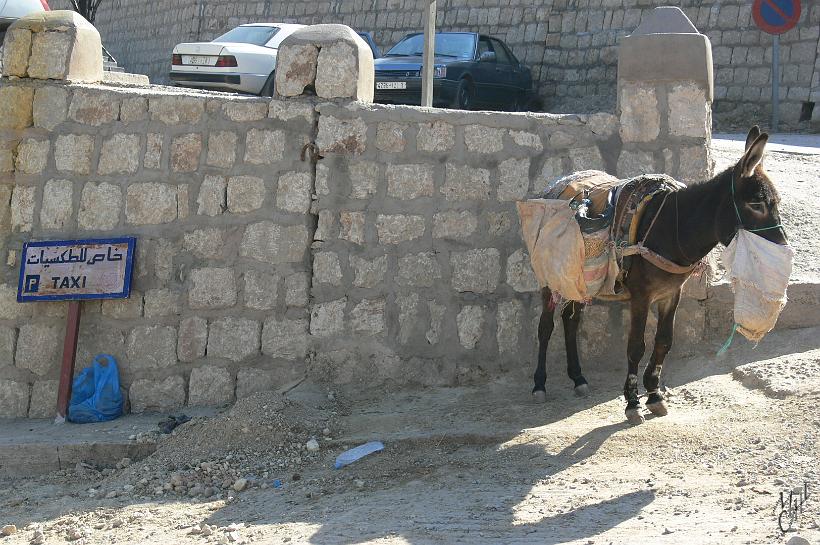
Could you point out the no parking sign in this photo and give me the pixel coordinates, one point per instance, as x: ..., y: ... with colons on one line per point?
x: 776, y: 16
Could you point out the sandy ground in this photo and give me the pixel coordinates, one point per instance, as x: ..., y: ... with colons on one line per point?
x: 479, y: 464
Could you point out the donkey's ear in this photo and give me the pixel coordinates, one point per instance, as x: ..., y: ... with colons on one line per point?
x: 754, y: 132
x: 753, y: 155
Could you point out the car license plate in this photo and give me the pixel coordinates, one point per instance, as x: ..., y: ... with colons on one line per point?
x: 391, y: 85
x: 200, y: 60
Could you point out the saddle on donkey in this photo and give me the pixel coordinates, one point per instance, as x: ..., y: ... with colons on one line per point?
x: 583, y: 230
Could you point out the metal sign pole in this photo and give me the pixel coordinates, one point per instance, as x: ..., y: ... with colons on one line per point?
x: 72, y: 329
x: 429, y: 55
x: 775, y: 82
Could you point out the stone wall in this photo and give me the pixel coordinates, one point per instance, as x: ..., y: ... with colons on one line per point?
x: 571, y: 47
x: 289, y: 237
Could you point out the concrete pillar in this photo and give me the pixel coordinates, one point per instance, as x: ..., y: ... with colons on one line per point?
x: 665, y: 91
x: 332, y: 60
x: 57, y: 45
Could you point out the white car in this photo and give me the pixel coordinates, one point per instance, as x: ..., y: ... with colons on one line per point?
x: 242, y: 59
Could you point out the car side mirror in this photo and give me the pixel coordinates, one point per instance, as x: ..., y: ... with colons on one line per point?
x: 487, y: 56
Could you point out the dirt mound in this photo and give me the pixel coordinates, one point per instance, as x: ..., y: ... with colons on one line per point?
x: 258, y: 440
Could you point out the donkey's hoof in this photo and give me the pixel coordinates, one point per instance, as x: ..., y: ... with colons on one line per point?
x: 539, y: 396
x: 658, y: 408
x: 582, y: 390
x: 634, y: 416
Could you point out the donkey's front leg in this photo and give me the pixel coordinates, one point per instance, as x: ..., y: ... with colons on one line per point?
x: 636, y: 346
x: 545, y: 327
x: 663, y: 342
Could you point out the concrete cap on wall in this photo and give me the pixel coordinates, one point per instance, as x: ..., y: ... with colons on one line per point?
x: 59, y: 45
x: 332, y: 59
x: 666, y: 47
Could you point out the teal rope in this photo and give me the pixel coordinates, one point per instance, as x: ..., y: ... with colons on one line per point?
x: 728, y: 342
x: 737, y: 213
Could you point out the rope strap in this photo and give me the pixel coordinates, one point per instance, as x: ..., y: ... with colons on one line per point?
x: 728, y: 342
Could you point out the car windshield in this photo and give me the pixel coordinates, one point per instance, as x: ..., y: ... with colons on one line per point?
x: 257, y: 35
x: 447, y: 45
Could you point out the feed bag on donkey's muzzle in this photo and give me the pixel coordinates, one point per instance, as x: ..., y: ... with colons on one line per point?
x: 759, y: 271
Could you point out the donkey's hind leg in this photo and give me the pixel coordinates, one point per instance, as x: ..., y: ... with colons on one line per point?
x: 545, y: 327
x: 663, y: 342
x: 571, y: 316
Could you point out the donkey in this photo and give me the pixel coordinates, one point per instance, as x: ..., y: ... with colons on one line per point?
x: 686, y: 229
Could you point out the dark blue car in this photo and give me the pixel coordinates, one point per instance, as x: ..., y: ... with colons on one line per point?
x: 471, y: 71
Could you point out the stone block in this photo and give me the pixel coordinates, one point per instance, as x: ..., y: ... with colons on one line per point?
x: 273, y: 243
x: 454, y: 225
x: 344, y: 136
x: 14, y: 398
x: 408, y: 182
x: 696, y: 164
x: 32, y: 156
x: 210, y: 386
x: 514, y: 179
x: 296, y: 290
x: 150, y: 203
x: 509, y: 319
x: 251, y: 380
x: 639, y: 114
x: 364, y: 179
x: 100, y: 205
x: 23, y: 200
x: 470, y: 325
x: 482, y: 139
x: 39, y: 348
x: 43, y: 399
x: 527, y: 139
x: 176, y: 109
x: 245, y: 194
x: 689, y: 111
x: 132, y: 109
x: 212, y: 198
x: 233, y: 338
x: 207, y: 243
x: 551, y: 170
x: 160, y: 396
x: 123, y: 309
x: 8, y: 341
x: 408, y: 316
x: 55, y: 212
x: 72, y: 153
x: 221, y: 149
x: 322, y: 177
x: 295, y: 68
x: 285, y: 339
x: 367, y: 317
x: 390, y: 136
x: 120, y: 154
x: 263, y: 147
x: 192, y: 339
x: 16, y: 105
x: 64, y: 46
x: 603, y: 124
x: 420, y: 270
x: 293, y: 192
x: 368, y: 273
x: 465, y: 183
x: 153, y: 151
x: 261, y: 290
x: 437, y: 313
x: 520, y: 275
x: 435, y: 136
x: 326, y: 268
x: 351, y: 226
x: 161, y: 302
x: 633, y: 163
x: 93, y: 107
x: 183, y: 201
x: 327, y: 318
x: 476, y: 270
x: 587, y: 159
x: 393, y: 229
x: 185, y: 152
x: 212, y: 287
x: 152, y: 347
x: 244, y: 112
x: 10, y: 309
x: 16, y: 52
x: 289, y: 110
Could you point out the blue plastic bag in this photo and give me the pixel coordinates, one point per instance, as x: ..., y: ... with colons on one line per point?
x: 95, y: 393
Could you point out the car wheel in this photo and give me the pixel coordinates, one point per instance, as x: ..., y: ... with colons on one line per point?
x: 267, y: 89
x: 464, y: 95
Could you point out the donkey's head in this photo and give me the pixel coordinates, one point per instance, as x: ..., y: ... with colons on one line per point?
x: 753, y: 195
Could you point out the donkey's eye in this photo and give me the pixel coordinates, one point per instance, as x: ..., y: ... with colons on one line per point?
x: 758, y: 206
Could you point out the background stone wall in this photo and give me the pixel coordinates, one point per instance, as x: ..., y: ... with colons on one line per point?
x: 571, y: 46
